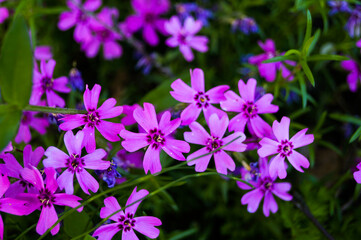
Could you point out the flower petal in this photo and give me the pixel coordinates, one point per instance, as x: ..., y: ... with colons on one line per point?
x: 197, y: 79
x: 232, y: 103
x: 135, y: 196
x: 47, y: 218
x: 248, y: 90
x: 174, y: 148
x: 146, y: 118
x: 145, y: 225
x: 65, y: 180
x: 269, y: 204
x: 198, y: 134
x: 277, y: 167
x: 223, y: 162
x: 106, y: 232
x: 133, y: 141
x: 202, y: 162
x: 91, y: 97
x: 107, y: 109
x: 56, y: 158
x: 252, y: 198
x: 216, y: 94
x: 238, y: 123
x: 110, y: 130
x: 74, y: 144
x: 301, y: 139
x: 298, y: 160
x: 218, y: 126
x: 237, y: 145
x: 268, y: 147
x: 151, y: 160
x: 87, y: 182
x: 281, y: 129
x: 281, y: 189
x: 93, y: 160
x: 72, y: 121
x: 264, y: 104
x: 63, y: 199
x: 182, y: 92
x: 190, y: 114
x: 111, y: 206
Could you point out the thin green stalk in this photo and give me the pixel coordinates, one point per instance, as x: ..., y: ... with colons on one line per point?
x: 35, y: 108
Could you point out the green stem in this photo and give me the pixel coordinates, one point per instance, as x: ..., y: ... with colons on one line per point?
x: 25, y: 232
x: 35, y: 108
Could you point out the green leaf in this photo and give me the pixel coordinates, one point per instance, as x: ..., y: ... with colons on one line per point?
x: 310, y: 43
x: 308, y: 73
x: 355, y: 135
x: 279, y: 58
x: 327, y: 57
x: 88, y: 237
x: 10, y: 117
x: 16, y: 64
x: 76, y: 224
x: 309, y: 26
x: 303, y: 89
x: 345, y: 118
x: 293, y: 52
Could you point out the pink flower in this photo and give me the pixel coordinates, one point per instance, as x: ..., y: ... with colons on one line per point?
x: 45, y: 83
x: 357, y: 174
x: 128, y: 112
x: 269, y: 70
x: 103, y: 36
x: 200, y: 136
x: 13, y: 169
x: 147, y: 17
x: 157, y: 137
x: 75, y: 163
x: 284, y: 147
x: 197, y: 97
x: 46, y: 198
x: 29, y: 120
x: 355, y: 74
x: 265, y: 186
x: 43, y: 53
x: 4, y: 14
x: 9, y: 205
x: 248, y: 109
x: 94, y: 118
x: 183, y: 36
x: 79, y: 19
x: 125, y: 220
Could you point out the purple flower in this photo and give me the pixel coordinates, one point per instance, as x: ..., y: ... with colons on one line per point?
x: 355, y: 74
x: 29, y: 120
x: 94, y: 118
x: 183, y: 36
x: 45, y: 83
x: 43, y: 53
x: 197, y: 97
x: 200, y: 136
x: 185, y: 10
x: 76, y: 17
x: 46, y: 198
x: 157, y: 137
x: 13, y: 169
x: 357, y: 174
x: 246, y: 25
x: 75, y: 163
x: 103, y: 36
x: 248, y: 109
x: 338, y: 6
x: 76, y: 81
x: 109, y: 175
x: 9, y: 205
x: 284, y: 147
x: 353, y: 25
x: 148, y: 17
x: 128, y: 110
x: 265, y: 186
x: 125, y: 220
x: 269, y: 70
x: 4, y: 14
x: 8, y: 148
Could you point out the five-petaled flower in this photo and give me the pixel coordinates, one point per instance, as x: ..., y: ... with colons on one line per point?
x: 285, y: 147
x: 125, y: 220
x: 212, y: 142
x: 197, y: 97
x: 94, y: 119
x: 157, y: 137
x: 265, y: 186
x: 75, y: 163
x: 249, y: 108
x: 184, y: 36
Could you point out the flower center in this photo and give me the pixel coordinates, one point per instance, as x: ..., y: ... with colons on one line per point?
x: 267, y: 184
x: 213, y: 143
x: 47, y: 83
x: 150, y: 18
x: 249, y: 109
x: 127, y: 222
x: 26, y: 119
x: 103, y: 34
x: 92, y: 118
x: 285, y: 148
x: 25, y: 183
x: 201, y: 99
x: 155, y: 138
x: 46, y: 197
x: 182, y: 39
x: 75, y: 163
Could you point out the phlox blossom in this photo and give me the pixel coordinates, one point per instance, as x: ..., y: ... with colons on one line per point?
x: 355, y: 73
x: 265, y: 186
x: 125, y: 221
x: 284, y: 147
x: 157, y: 137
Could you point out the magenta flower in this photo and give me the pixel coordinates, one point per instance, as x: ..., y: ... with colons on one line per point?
x: 197, y: 97
x: 8, y: 148
x: 284, y: 147
x: 94, y: 118
x: 4, y: 14
x: 200, y: 136
x: 249, y: 108
x: 128, y: 112
x: 183, y: 36
x: 357, y: 174
x: 29, y: 120
x: 157, y: 137
x: 75, y: 163
x: 355, y: 74
x: 103, y: 36
x: 45, y: 83
x: 125, y: 221
x: 269, y: 70
x: 13, y: 169
x: 76, y: 17
x: 46, y: 198
x: 43, y: 53
x: 265, y: 186
x: 148, y: 17
x: 9, y: 205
